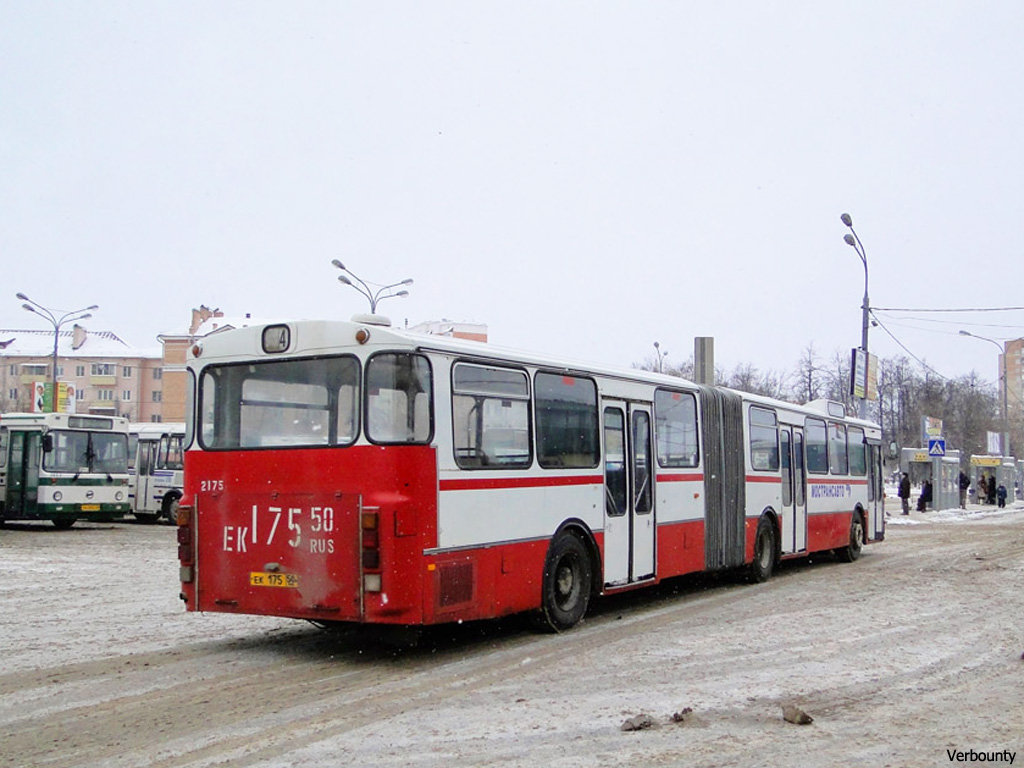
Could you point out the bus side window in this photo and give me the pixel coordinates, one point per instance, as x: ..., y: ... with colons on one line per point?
x: 567, y: 423
x: 764, y: 440
x: 858, y: 455
x: 816, y: 442
x: 838, y: 463
x: 675, y: 422
x: 490, y: 417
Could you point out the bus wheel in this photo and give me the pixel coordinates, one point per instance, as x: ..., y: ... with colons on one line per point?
x: 764, y: 552
x: 63, y: 523
x: 169, y: 510
x: 567, y: 584
x: 852, y: 550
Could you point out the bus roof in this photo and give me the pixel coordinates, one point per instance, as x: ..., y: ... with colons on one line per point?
x: 64, y: 421
x: 310, y: 338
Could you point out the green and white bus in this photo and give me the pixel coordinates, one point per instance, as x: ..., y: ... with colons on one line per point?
x: 63, y: 467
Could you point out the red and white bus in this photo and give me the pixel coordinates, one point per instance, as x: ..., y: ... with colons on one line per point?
x: 351, y: 472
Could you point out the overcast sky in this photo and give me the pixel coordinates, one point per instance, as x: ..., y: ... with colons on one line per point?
x: 585, y: 178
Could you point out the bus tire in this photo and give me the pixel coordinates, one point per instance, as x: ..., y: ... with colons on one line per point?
x: 566, y: 585
x: 855, y: 545
x: 63, y: 523
x: 169, y: 509
x: 146, y: 517
x: 764, y: 552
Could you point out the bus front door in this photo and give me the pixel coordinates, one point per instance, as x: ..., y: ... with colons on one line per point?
x: 629, y: 516
x: 23, y: 473
x: 876, y: 494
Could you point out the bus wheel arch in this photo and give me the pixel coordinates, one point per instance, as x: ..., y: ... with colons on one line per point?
x: 855, y: 543
x: 766, y: 548
x: 569, y: 577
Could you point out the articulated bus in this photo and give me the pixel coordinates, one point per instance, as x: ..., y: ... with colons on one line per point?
x: 63, y: 467
x: 156, y: 467
x: 350, y: 472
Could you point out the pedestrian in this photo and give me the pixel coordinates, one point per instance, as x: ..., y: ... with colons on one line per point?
x: 904, y: 493
x: 1001, y: 495
x: 926, y: 496
x: 965, y: 483
x: 982, y: 490
x: 992, y: 490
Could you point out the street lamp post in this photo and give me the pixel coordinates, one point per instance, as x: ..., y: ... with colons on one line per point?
x: 661, y: 355
x: 348, y: 277
x: 1005, y: 446
x: 56, y: 318
x: 853, y: 240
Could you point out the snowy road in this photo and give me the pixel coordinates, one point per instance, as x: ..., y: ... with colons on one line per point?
x: 904, y: 658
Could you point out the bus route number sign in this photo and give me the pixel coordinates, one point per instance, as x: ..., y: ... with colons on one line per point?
x: 260, y: 579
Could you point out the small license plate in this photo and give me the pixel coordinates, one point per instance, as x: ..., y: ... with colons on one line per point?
x: 90, y: 507
x: 258, y: 579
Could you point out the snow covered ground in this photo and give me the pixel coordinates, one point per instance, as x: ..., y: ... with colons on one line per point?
x: 910, y: 652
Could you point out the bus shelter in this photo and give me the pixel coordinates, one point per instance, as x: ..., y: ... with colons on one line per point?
x: 943, y: 472
x: 1002, y: 468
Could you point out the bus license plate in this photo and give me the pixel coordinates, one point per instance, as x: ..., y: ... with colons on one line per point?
x: 90, y: 507
x: 258, y: 579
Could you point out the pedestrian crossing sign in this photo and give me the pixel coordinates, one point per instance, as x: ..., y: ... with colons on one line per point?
x: 936, y: 446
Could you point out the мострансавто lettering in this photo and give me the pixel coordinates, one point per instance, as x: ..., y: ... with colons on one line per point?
x: 838, y: 491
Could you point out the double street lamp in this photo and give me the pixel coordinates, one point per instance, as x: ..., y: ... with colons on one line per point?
x: 1005, y: 446
x: 854, y: 242
x: 661, y: 355
x: 348, y: 277
x: 56, y: 318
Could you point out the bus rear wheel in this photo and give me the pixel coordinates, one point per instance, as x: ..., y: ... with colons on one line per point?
x: 853, y: 548
x: 567, y: 583
x: 169, y: 510
x: 764, y: 552
x: 63, y: 523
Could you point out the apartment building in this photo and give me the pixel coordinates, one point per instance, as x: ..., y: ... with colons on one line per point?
x: 105, y: 375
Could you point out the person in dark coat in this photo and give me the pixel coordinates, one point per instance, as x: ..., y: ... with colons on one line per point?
x: 926, y: 496
x: 904, y: 493
x: 1001, y: 495
x: 991, y: 490
x: 965, y: 483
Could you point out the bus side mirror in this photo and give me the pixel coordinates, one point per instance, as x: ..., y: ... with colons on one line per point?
x: 47, y: 443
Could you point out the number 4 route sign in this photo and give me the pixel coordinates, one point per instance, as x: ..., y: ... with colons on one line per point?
x: 936, y: 447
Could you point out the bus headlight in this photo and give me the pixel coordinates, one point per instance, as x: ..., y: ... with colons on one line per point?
x: 57, y: 495
x: 119, y: 495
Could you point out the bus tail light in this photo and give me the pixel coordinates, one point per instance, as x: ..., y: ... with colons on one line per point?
x: 184, y: 520
x: 369, y: 524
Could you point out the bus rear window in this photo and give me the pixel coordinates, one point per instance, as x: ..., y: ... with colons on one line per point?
x: 399, y: 399
x: 280, y: 404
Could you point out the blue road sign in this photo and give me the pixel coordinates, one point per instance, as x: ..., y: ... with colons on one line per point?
x: 936, y: 446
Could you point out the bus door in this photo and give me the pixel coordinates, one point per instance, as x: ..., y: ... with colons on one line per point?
x: 23, y: 472
x: 144, y: 475
x: 876, y: 494
x: 629, y: 521
x: 794, y: 491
